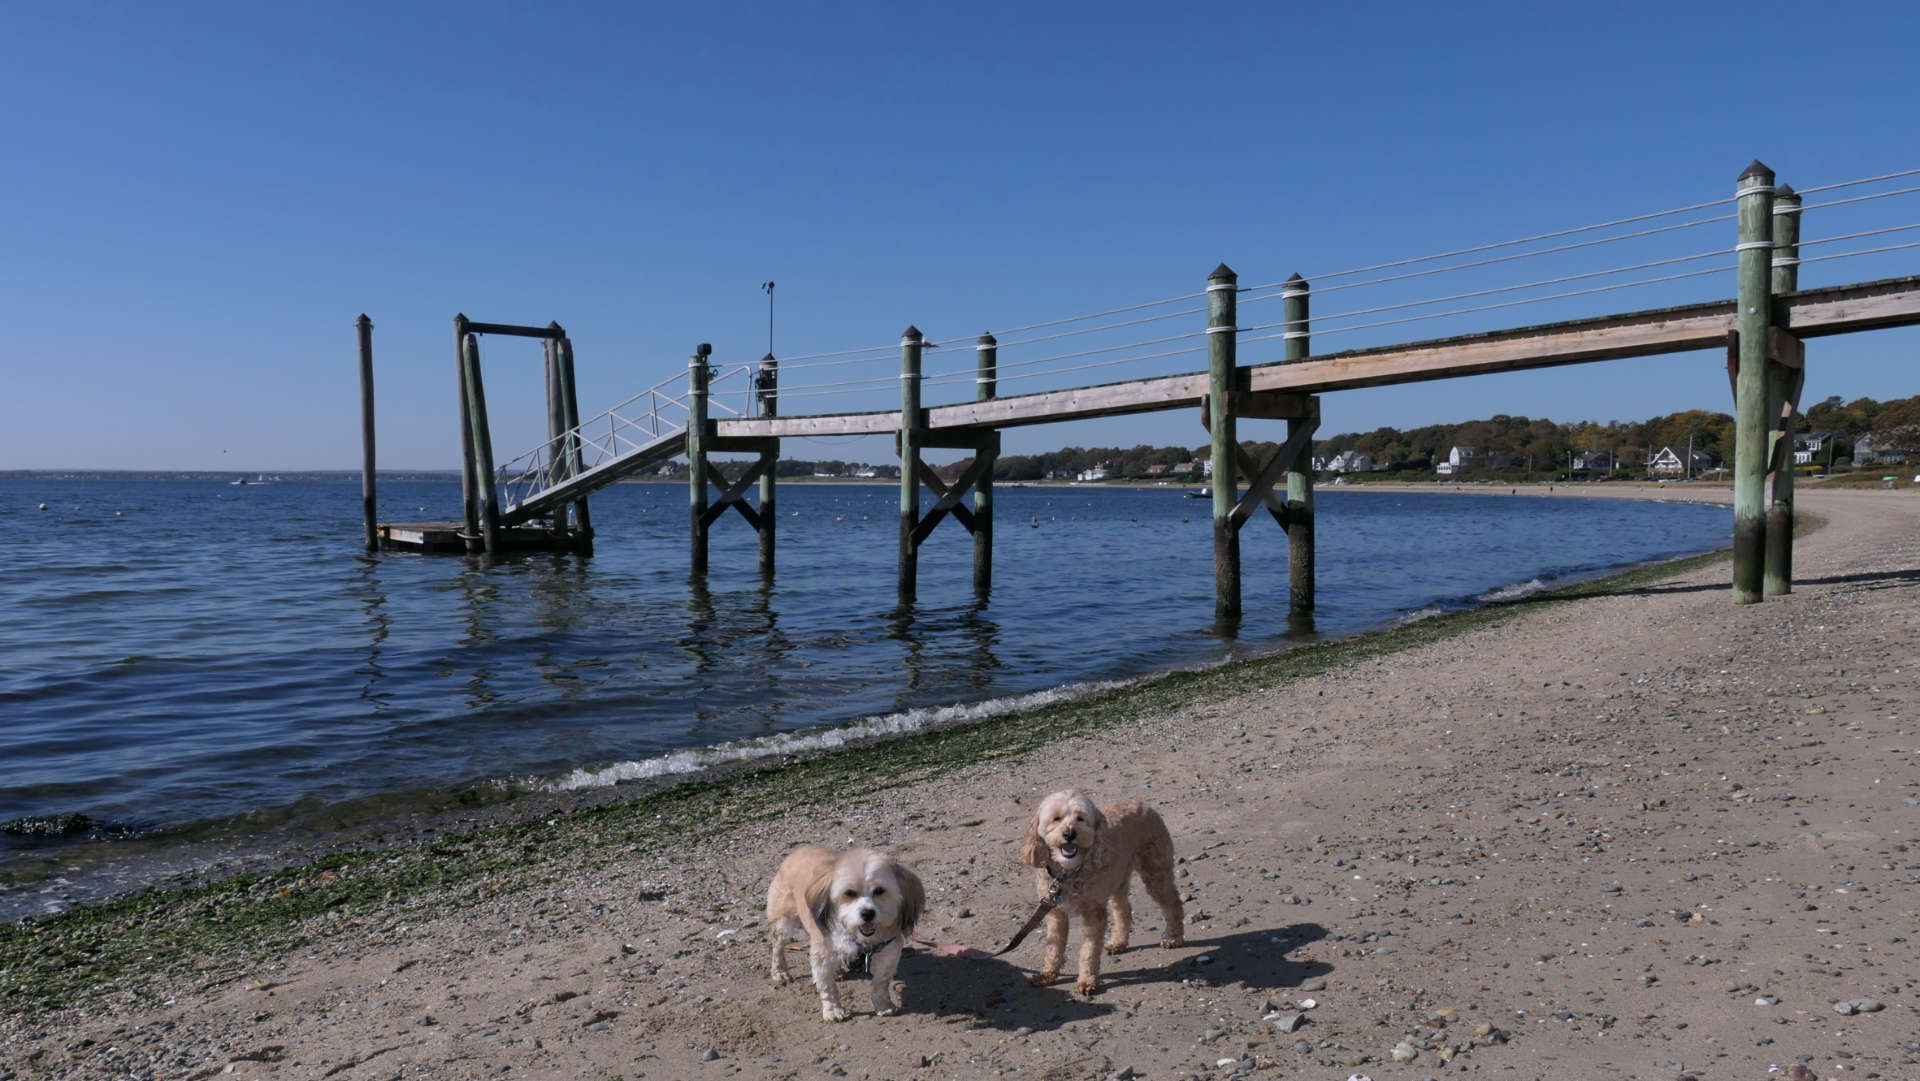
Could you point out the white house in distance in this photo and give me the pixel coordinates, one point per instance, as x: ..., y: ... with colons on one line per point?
x: 1350, y: 461
x: 1673, y: 463
x: 1457, y: 461
x: 1098, y: 472
x: 1811, y: 447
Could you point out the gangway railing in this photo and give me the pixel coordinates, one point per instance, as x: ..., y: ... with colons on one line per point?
x: 644, y: 430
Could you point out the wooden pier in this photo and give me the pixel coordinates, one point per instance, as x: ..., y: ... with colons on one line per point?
x: 1763, y: 329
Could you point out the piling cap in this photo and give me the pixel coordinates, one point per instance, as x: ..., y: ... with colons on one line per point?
x: 768, y: 359
x: 912, y: 333
x: 1785, y: 191
x: 988, y: 339
x: 1757, y: 171
x: 1296, y: 278
x: 1223, y: 273
x: 703, y: 350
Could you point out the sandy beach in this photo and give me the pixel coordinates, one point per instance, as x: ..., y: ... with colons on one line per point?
x: 1642, y: 833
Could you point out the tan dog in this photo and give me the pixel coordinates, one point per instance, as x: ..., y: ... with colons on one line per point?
x: 1085, y: 855
x: 851, y: 906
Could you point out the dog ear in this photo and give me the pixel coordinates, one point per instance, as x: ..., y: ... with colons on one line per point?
x: 913, y: 897
x: 819, y: 898
x: 1033, y: 848
x: 1096, y: 819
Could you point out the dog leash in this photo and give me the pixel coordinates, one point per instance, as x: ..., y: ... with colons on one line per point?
x: 1048, y: 904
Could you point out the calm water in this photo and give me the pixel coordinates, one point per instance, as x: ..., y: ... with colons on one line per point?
x: 198, y: 659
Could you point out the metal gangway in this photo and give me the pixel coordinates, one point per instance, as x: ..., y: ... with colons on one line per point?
x: 645, y: 430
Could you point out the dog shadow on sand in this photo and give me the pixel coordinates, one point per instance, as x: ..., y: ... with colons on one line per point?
x: 993, y: 991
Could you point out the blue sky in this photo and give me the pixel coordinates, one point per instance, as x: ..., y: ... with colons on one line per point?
x: 198, y: 199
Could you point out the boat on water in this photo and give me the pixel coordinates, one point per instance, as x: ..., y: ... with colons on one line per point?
x: 1200, y: 493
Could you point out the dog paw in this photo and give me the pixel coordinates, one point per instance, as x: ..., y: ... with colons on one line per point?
x: 1171, y: 941
x: 1087, y: 986
x: 1115, y: 949
x: 832, y: 1011
x: 782, y: 978
x: 890, y: 1011
x: 1041, y: 979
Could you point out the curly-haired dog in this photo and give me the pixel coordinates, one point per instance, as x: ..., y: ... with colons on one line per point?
x: 855, y: 906
x: 1084, y: 856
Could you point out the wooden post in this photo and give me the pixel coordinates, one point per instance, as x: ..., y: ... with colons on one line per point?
x: 556, y: 453
x: 911, y: 342
x: 469, y: 490
x: 482, y: 444
x: 1754, y: 194
x: 986, y: 388
x: 570, y: 402
x: 768, y: 385
x: 697, y: 373
x: 1223, y: 302
x: 1294, y: 298
x: 367, y: 502
x: 1783, y: 398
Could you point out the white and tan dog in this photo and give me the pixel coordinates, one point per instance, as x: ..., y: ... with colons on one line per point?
x: 852, y: 906
x: 1084, y: 856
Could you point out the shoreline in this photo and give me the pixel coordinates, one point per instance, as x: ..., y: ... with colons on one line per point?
x: 1490, y: 815
x: 58, y: 876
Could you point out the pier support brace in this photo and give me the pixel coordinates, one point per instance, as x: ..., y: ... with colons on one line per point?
x: 977, y: 477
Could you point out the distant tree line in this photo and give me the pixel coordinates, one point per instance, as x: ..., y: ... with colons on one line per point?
x: 1503, y: 443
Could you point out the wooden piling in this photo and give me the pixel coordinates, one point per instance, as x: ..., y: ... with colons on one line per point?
x: 986, y: 388
x: 1294, y: 300
x: 697, y: 375
x: 1222, y: 306
x: 570, y: 421
x: 555, y: 465
x: 1754, y: 195
x: 368, y: 509
x: 1783, y: 399
x: 469, y: 489
x: 482, y: 445
x: 768, y: 385
x: 911, y: 427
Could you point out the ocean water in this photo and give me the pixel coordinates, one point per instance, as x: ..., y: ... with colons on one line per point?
x: 193, y: 660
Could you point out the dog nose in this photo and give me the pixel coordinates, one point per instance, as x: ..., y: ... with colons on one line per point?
x: 1066, y: 835
x: 866, y: 915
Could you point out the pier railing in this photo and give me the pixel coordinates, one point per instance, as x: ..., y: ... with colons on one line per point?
x: 644, y: 430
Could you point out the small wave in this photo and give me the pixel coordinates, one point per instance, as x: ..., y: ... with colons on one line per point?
x: 866, y: 730
x: 1419, y: 614
x: 1513, y: 592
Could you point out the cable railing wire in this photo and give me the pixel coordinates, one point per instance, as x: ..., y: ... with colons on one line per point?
x: 1501, y: 258
x: 1082, y: 353
x: 1857, y: 183
x: 1504, y: 243
x: 1857, y: 236
x: 1864, y: 251
x: 1858, y: 199
x: 1319, y: 332
x: 1496, y: 290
